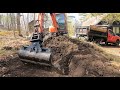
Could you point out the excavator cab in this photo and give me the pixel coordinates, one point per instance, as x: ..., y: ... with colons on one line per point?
x: 62, y: 23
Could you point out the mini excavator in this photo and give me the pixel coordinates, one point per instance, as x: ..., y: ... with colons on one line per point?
x: 35, y: 52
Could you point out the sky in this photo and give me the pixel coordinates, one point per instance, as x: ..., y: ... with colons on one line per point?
x: 73, y: 14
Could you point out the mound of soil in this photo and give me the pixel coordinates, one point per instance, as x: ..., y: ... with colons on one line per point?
x: 77, y: 58
x: 72, y: 57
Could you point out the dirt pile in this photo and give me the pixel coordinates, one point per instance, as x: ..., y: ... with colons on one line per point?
x: 78, y: 58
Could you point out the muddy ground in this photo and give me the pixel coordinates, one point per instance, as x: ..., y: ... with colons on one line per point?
x: 73, y: 57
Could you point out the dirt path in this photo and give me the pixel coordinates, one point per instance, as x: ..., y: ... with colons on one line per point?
x: 112, y: 50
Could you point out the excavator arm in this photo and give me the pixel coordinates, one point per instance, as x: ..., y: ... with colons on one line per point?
x: 41, y: 22
x: 54, y: 21
x: 35, y: 53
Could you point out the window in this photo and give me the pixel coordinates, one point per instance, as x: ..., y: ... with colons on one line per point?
x: 60, y: 18
x: 111, y: 32
x: 61, y: 21
x: 119, y: 29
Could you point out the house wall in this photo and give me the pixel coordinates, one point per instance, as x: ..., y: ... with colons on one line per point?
x: 116, y: 29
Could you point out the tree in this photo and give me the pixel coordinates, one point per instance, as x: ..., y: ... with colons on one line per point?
x: 10, y: 16
x: 34, y: 18
x: 12, y: 24
x: 96, y: 14
x: 7, y: 21
x: 18, y: 24
x: 111, y: 17
x: 0, y: 19
x: 27, y: 32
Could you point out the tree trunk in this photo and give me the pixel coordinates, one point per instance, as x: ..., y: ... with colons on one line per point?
x: 8, y: 21
x: 12, y: 23
x: 27, y: 32
x: 34, y: 18
x: 18, y: 24
x: 0, y: 19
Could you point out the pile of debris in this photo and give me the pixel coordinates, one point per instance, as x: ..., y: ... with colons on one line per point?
x: 78, y: 58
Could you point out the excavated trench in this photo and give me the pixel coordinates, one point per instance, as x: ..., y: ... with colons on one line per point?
x: 72, y: 57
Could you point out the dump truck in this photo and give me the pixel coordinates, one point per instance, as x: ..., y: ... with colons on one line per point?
x: 100, y: 34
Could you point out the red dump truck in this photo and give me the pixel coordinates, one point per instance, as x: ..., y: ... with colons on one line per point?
x: 99, y: 34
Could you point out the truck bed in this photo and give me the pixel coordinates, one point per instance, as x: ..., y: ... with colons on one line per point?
x: 96, y: 28
x: 93, y: 33
x: 97, y: 33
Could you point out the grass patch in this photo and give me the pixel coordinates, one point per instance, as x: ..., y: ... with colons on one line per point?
x: 6, y: 53
x: 8, y: 33
x: 2, y: 52
x: 7, y: 40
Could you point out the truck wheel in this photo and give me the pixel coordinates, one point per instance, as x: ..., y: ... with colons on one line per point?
x: 117, y: 43
x: 106, y: 43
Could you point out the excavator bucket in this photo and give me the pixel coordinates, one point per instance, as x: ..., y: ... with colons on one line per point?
x: 35, y: 53
x: 41, y: 57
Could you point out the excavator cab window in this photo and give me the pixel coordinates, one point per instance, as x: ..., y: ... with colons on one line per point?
x: 61, y: 21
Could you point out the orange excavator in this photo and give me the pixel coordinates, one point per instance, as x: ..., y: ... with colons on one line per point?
x: 35, y: 52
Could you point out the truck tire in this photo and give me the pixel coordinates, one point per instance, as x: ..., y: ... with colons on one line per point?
x: 117, y: 43
x: 106, y: 43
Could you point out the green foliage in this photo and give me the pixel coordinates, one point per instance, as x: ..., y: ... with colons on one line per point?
x: 89, y: 15
x: 96, y: 14
x: 5, y: 18
x: 111, y: 17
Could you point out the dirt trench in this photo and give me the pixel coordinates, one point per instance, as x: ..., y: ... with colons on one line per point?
x: 78, y: 58
x: 72, y: 57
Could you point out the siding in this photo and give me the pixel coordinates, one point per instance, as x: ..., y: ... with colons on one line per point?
x: 116, y: 29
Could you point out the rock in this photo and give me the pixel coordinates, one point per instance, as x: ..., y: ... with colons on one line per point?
x: 11, y: 55
x: 3, y: 75
x: 4, y: 70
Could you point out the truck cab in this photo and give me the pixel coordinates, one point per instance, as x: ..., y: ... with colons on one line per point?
x: 113, y: 38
